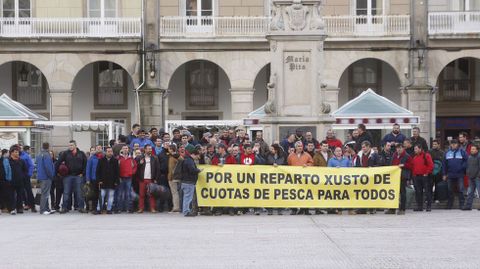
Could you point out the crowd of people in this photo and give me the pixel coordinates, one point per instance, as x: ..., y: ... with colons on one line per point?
x: 157, y: 171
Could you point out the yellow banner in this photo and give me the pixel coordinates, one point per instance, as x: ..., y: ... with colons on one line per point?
x: 298, y: 187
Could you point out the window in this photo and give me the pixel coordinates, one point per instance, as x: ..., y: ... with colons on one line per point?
x: 29, y: 85
x: 465, y: 5
x: 365, y: 74
x: 16, y: 9
x: 199, y: 8
x: 202, y: 85
x: 110, y: 86
x: 102, y: 8
x: 457, y: 80
x: 369, y: 7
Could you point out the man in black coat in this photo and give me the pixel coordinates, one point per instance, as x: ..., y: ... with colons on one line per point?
x: 363, y: 135
x: 108, y: 178
x: 19, y: 173
x: 76, y: 161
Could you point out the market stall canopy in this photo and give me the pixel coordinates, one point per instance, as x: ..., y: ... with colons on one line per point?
x: 375, y: 111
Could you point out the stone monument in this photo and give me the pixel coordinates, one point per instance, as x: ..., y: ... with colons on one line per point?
x: 295, y: 90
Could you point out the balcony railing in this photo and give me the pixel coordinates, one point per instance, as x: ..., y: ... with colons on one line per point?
x: 178, y: 27
x: 367, y: 26
x: 248, y: 27
x: 454, y: 22
x: 70, y: 27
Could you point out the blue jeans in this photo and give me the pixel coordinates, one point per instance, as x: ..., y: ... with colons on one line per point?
x: 124, y: 194
x: 473, y: 185
x: 72, y: 184
x: 459, y: 191
x: 110, y: 193
x: 188, y: 190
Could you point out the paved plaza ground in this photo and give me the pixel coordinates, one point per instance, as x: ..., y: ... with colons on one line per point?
x: 440, y: 239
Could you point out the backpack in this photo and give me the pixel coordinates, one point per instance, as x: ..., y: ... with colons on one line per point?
x: 437, y: 167
x: 63, y: 169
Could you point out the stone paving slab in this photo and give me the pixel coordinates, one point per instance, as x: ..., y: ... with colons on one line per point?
x: 440, y: 239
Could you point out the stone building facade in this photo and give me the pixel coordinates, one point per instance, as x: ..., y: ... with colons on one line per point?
x: 212, y: 59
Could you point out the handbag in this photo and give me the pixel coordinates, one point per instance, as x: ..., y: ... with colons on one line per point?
x: 63, y: 169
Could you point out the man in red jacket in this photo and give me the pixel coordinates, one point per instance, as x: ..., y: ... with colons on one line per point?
x: 403, y: 160
x: 128, y: 168
x: 422, y: 168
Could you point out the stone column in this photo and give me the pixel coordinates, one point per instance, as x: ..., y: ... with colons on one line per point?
x: 61, y: 110
x: 151, y: 108
x: 331, y: 98
x: 242, y: 102
x: 422, y: 103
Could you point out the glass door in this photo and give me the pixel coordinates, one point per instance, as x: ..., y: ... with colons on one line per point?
x: 15, y: 15
x: 103, y: 14
x: 199, y: 16
x: 369, y: 17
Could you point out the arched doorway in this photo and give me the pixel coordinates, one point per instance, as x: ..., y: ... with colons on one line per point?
x: 260, y: 96
x: 199, y: 90
x: 458, y: 99
x: 26, y: 84
x: 369, y: 73
x: 102, y: 90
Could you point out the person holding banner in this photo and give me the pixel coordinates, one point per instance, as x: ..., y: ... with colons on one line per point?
x: 339, y: 161
x: 300, y: 158
x: 276, y: 157
x: 403, y: 160
x: 189, y: 180
x: 367, y: 158
x: 321, y: 159
x: 422, y: 168
x: 251, y: 157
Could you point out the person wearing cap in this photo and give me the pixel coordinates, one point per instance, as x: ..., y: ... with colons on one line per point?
x: 189, y: 180
x: 141, y: 140
x: 454, y: 170
x: 133, y: 134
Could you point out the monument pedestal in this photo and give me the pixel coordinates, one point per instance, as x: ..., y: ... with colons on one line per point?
x: 296, y: 93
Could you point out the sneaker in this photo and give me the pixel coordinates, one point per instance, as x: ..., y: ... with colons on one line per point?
x: 109, y: 212
x: 307, y: 212
x: 280, y: 212
x: 231, y: 212
x: 82, y: 211
x: 63, y: 211
x: 153, y: 211
x: 13, y: 212
x: 466, y: 209
x: 401, y: 212
x: 257, y: 212
x: 20, y: 211
x: 95, y: 212
x: 190, y: 215
x: 352, y: 212
x: 53, y: 211
x: 140, y: 211
x: 46, y: 213
x: 33, y: 209
x: 428, y: 209
x: 293, y: 212
x: 270, y: 212
x: 418, y: 209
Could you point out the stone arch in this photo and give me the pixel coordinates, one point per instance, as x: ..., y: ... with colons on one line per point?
x: 438, y: 60
x: 209, y: 103
x: 387, y: 76
x: 260, y: 95
x: 241, y: 69
x: 336, y: 63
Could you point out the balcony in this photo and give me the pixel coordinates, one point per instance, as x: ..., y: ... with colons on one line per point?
x: 70, y: 28
x: 384, y: 26
x: 213, y: 27
x: 454, y: 23
x: 337, y: 27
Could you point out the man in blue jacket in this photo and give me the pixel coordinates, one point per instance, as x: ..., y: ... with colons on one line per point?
x: 45, y: 174
x: 91, y: 177
x: 141, y: 140
x: 25, y: 156
x: 395, y: 136
x: 454, y: 168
